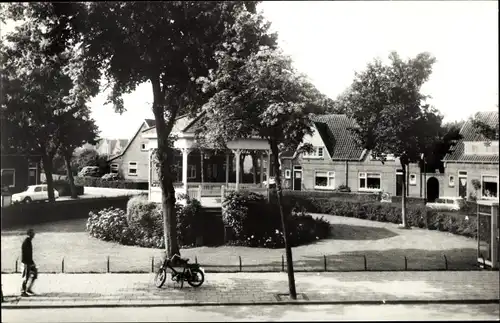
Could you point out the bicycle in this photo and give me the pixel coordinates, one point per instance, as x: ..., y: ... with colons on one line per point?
x: 192, y: 273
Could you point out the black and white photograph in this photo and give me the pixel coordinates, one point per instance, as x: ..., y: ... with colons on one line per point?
x: 219, y: 161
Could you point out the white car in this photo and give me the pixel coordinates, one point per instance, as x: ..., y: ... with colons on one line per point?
x: 447, y: 204
x: 33, y: 193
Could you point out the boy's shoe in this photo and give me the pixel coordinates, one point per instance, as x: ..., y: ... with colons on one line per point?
x: 30, y: 293
x: 24, y: 294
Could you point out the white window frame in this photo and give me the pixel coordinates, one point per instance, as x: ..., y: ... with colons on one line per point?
x: 451, y: 183
x: 315, y: 154
x: 133, y: 165
x: 364, y: 175
x: 482, y: 187
x: 145, y: 147
x: 191, y: 171
x: 288, y: 174
x: 414, y: 181
x: 13, y: 176
x: 330, y: 183
x: 112, y: 170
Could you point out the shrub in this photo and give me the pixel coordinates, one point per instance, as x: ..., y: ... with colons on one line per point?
x: 189, y: 222
x: 257, y: 223
x: 98, y: 182
x: 110, y: 225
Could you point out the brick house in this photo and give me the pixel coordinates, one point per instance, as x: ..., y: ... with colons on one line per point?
x: 473, y: 157
x: 133, y: 162
x: 337, y: 160
x: 19, y: 171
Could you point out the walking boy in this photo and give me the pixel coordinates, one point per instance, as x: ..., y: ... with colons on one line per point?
x: 29, y: 268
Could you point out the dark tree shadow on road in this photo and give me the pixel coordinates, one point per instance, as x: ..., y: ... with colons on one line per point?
x: 355, y: 232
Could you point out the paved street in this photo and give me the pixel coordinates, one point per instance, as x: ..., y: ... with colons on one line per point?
x: 258, y: 313
x: 74, y: 290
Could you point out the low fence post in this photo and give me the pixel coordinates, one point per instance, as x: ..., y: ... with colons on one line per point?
x: 239, y: 257
x: 107, y: 265
x: 153, y: 264
x: 406, y: 263
x: 324, y: 260
x: 445, y: 262
x: 16, y: 265
x: 364, y: 262
x: 282, y: 263
x: 195, y: 260
x: 62, y: 265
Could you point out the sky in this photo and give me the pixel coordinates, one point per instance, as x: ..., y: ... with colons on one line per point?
x: 329, y: 41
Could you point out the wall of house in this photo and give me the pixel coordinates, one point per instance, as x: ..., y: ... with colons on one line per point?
x: 134, y: 153
x: 352, y: 170
x: 21, y: 164
x: 474, y: 171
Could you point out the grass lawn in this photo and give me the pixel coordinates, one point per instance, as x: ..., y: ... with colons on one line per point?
x: 383, y: 245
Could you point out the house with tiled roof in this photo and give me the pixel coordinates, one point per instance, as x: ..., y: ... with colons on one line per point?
x: 132, y: 161
x: 337, y: 160
x: 473, y: 158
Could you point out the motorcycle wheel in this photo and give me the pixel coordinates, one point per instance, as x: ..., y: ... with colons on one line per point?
x: 196, y: 278
x: 160, y: 277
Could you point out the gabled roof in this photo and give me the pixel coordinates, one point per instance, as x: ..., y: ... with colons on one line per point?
x: 470, y: 133
x: 150, y: 122
x: 144, y: 122
x: 339, y: 140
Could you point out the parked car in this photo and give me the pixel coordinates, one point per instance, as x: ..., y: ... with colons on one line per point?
x: 110, y: 177
x: 447, y: 204
x: 272, y: 183
x: 92, y: 171
x: 33, y: 193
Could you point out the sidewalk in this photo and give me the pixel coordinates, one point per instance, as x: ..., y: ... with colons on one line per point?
x: 111, y: 290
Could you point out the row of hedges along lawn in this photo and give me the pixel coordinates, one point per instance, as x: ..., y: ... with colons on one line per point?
x: 64, y: 189
x: 142, y: 223
x: 98, y: 182
x: 417, y: 214
x: 256, y: 223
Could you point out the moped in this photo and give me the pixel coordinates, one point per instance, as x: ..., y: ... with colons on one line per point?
x: 192, y: 273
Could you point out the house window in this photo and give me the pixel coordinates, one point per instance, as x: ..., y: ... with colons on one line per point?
x: 191, y: 171
x: 144, y: 147
x: 489, y: 186
x: 324, y: 180
x: 8, y: 177
x: 369, y: 181
x: 132, y: 169
x: 451, y: 181
x: 288, y: 174
x: 318, y: 152
x: 413, y: 179
x: 114, y: 168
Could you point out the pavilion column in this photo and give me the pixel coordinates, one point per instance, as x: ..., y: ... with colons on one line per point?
x: 268, y: 172
x: 227, y: 168
x: 185, y: 154
x: 261, y: 168
x: 237, y: 154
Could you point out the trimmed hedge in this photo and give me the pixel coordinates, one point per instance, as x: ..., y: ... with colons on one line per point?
x: 98, y: 182
x: 256, y: 223
x: 35, y: 213
x: 64, y: 189
x: 417, y: 214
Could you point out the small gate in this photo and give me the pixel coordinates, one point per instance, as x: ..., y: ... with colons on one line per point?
x: 488, y: 234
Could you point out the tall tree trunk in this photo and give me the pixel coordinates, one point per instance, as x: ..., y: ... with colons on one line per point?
x: 242, y: 168
x: 254, y: 166
x: 165, y: 173
x: 47, y: 167
x: 202, y: 166
x: 404, y: 223
x: 284, y: 222
x: 67, y: 160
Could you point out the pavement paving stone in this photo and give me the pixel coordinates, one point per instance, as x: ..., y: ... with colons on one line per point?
x: 64, y: 289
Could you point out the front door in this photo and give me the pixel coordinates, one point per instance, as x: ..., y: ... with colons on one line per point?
x: 32, y: 176
x: 399, y: 184
x: 462, y: 187
x: 297, y: 179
